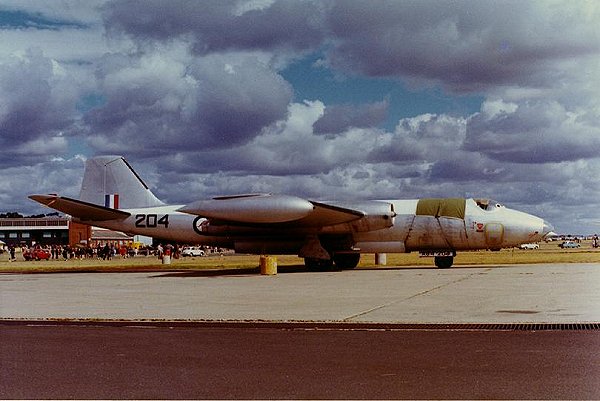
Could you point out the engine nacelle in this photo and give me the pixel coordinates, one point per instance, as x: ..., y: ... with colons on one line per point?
x: 377, y: 215
x: 257, y: 209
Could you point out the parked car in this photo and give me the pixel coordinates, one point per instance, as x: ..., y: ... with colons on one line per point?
x: 569, y: 244
x: 146, y: 251
x: 529, y: 246
x: 36, y: 254
x: 193, y: 251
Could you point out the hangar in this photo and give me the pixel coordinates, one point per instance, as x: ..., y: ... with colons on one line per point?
x: 41, y: 230
x: 54, y: 230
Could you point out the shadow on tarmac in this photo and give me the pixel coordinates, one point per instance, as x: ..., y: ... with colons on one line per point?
x: 288, y: 270
x: 244, y: 272
x: 232, y: 272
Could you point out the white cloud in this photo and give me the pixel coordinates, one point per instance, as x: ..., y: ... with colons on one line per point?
x: 493, y: 108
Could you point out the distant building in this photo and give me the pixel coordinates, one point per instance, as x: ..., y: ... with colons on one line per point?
x: 27, y: 231
x: 79, y: 233
x: 102, y: 236
x: 56, y: 231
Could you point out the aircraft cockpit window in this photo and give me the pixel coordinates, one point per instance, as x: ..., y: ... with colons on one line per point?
x: 488, y: 204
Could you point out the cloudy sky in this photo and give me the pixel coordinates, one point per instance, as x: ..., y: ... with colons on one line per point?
x: 323, y: 99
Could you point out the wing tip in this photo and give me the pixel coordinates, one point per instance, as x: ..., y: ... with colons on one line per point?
x: 43, y: 199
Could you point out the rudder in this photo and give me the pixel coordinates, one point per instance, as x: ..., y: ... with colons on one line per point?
x: 110, y: 181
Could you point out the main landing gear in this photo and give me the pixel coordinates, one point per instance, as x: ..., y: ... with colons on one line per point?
x: 444, y: 262
x: 347, y: 261
x: 343, y: 261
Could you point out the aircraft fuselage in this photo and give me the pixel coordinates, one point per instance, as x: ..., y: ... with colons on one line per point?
x: 495, y: 228
x: 114, y: 196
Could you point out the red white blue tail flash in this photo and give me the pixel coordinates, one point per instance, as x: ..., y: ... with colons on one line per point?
x: 111, y: 201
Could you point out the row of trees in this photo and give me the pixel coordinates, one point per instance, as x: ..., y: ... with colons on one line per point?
x: 17, y: 215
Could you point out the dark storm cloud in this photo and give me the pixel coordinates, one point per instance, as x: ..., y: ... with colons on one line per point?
x: 467, y: 167
x: 35, y: 105
x: 464, y: 45
x: 339, y: 118
x: 534, y: 132
x: 221, y: 25
x: 25, y: 95
x: 188, y: 104
x: 237, y: 102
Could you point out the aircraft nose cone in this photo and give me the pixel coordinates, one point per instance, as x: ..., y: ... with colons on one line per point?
x: 547, y: 229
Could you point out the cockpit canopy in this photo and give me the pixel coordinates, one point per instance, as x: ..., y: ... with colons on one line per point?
x: 488, y: 204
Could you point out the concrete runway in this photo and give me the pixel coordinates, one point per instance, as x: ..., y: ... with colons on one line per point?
x: 162, y: 337
x: 553, y: 293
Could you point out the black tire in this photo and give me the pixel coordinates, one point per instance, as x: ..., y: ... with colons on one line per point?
x: 444, y: 262
x: 318, y: 265
x: 346, y: 261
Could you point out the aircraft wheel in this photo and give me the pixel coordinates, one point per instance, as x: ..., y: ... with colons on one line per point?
x: 346, y: 261
x: 444, y: 262
x: 318, y: 265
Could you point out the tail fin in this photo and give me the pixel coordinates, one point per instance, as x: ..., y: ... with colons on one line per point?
x: 111, y: 182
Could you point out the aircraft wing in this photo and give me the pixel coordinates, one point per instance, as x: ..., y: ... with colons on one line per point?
x: 272, y: 209
x: 82, y: 210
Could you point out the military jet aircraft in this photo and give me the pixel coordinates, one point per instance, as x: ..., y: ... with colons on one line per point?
x: 324, y: 233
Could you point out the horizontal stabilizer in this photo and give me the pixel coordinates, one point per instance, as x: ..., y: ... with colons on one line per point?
x: 82, y: 210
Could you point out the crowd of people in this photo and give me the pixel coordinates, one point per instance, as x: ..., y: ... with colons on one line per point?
x: 66, y: 252
x: 106, y: 251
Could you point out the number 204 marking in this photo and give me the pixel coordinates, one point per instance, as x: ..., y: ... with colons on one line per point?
x: 151, y: 221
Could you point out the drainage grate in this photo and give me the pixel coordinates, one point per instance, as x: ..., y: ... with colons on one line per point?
x: 499, y: 326
x: 448, y: 326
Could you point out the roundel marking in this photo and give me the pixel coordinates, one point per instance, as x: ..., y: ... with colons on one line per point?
x: 197, y: 224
